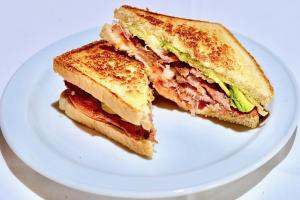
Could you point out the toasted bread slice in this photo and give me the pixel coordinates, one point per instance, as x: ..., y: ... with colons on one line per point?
x: 113, y: 78
x: 142, y: 147
x: 211, y: 45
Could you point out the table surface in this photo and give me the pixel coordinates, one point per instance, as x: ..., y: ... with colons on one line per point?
x: 28, y: 26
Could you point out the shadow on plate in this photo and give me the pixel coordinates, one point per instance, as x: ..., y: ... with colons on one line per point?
x: 49, y: 189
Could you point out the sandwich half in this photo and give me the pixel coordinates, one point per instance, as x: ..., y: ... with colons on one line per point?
x: 199, y: 65
x: 109, y: 92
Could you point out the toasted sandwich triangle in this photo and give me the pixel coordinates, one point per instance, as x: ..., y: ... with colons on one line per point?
x: 211, y: 44
x: 113, y: 78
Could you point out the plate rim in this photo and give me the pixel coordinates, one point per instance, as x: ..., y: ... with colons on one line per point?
x: 161, y: 194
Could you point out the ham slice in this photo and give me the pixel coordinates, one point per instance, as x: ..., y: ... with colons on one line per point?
x: 91, y: 107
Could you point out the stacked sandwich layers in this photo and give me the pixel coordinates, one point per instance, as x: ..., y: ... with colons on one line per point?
x: 198, y: 65
x: 108, y: 91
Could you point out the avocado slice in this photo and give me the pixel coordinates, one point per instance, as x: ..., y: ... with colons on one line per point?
x: 239, y: 100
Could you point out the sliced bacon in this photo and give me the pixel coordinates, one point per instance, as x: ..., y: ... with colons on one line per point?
x: 217, y: 94
x: 183, y: 71
x: 91, y: 107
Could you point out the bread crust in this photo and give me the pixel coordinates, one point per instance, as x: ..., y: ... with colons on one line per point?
x: 209, y: 43
x: 141, y: 147
x: 263, y: 75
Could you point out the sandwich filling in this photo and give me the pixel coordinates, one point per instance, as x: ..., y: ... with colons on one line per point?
x: 98, y: 111
x: 174, y: 78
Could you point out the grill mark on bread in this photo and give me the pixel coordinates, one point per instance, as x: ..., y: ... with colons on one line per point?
x: 216, y: 52
x: 219, y: 53
x: 150, y: 19
x: 107, y: 63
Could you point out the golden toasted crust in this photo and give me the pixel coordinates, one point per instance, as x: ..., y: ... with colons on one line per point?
x: 104, y: 73
x: 142, y: 147
x: 270, y: 87
x: 249, y: 120
x: 209, y: 43
x: 121, y: 74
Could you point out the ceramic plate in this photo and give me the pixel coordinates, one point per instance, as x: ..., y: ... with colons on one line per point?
x: 193, y: 153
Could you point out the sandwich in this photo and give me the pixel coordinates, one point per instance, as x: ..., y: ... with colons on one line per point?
x: 199, y: 65
x: 108, y: 91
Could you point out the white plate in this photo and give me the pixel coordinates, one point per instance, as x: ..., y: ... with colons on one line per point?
x: 193, y: 153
